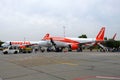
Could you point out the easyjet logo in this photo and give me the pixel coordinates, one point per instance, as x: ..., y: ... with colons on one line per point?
x: 20, y: 43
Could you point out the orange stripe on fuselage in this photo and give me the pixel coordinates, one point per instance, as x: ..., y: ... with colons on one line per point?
x: 62, y: 39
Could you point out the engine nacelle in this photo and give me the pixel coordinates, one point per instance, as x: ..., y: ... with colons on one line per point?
x: 74, y: 46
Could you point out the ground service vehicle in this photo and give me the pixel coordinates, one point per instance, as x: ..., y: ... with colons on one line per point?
x: 11, y: 49
x: 26, y: 50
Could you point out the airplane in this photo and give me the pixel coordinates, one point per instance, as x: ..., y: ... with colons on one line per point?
x: 23, y: 44
x: 75, y: 43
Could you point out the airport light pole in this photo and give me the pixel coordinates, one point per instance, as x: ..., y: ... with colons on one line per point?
x: 24, y: 39
x: 64, y: 30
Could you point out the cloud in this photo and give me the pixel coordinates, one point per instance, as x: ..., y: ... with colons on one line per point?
x: 34, y: 18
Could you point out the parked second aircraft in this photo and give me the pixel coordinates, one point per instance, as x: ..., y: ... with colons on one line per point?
x: 75, y: 43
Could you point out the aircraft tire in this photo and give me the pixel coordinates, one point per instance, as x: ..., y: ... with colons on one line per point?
x: 15, y: 52
x: 5, y: 52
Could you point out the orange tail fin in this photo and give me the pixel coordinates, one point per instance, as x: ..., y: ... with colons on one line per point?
x: 100, y: 36
x: 46, y: 37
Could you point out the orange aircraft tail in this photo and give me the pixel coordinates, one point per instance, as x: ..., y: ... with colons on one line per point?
x: 100, y: 36
x: 46, y: 37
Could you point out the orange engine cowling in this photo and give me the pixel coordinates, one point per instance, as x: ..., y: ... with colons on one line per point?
x: 22, y: 47
x: 74, y: 46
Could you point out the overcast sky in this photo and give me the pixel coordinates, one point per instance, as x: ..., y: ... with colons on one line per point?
x: 32, y: 19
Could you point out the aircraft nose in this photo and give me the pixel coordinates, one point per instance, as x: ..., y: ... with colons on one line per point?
x: 45, y: 43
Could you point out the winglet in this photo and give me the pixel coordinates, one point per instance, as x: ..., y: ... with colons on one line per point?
x: 100, y: 36
x: 114, y: 36
x: 46, y: 37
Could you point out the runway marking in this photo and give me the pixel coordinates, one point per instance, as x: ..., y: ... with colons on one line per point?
x: 70, y: 64
x: 107, y: 77
x: 98, y: 77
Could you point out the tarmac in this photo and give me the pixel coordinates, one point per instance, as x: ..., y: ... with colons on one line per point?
x: 60, y: 66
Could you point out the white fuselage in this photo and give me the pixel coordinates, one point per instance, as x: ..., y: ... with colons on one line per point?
x: 23, y: 43
x: 82, y: 40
